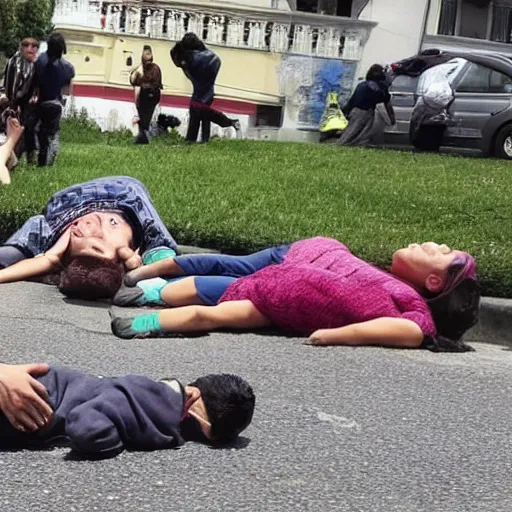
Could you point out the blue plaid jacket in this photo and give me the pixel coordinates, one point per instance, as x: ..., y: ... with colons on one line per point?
x: 121, y: 193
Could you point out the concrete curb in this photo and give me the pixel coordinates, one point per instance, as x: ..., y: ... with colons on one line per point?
x: 494, y: 326
x: 190, y: 249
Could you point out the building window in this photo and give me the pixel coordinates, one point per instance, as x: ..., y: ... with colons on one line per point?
x: 448, y: 18
x: 267, y: 115
x: 331, y: 7
x: 473, y: 19
x: 477, y: 19
x: 501, y: 23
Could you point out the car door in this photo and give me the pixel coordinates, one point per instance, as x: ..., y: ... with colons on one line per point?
x: 482, y: 95
x: 403, y: 98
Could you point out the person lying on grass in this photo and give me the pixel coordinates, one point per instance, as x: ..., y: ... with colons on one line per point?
x: 317, y: 287
x: 104, y: 220
x: 8, y: 159
x: 101, y: 417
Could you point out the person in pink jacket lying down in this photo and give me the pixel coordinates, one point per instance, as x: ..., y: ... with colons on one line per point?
x: 315, y: 287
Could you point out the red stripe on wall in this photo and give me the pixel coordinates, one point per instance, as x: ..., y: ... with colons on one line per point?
x: 168, y: 100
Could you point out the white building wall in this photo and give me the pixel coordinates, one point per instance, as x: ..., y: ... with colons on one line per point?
x: 398, y: 34
x: 113, y: 115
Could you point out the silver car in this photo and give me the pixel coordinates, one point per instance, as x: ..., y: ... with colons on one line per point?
x: 480, y: 115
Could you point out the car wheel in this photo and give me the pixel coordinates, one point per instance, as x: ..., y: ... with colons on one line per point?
x: 503, y: 144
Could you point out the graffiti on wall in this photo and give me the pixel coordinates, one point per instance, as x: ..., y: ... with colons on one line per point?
x: 305, y: 82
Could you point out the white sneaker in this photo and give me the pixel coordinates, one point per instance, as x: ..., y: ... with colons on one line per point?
x: 238, y: 128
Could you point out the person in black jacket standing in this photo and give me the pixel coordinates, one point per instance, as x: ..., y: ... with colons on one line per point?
x: 201, y: 66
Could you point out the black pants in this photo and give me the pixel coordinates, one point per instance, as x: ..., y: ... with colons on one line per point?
x: 147, y: 101
x: 429, y: 137
x: 29, y: 120
x: 50, y: 113
x: 203, y: 115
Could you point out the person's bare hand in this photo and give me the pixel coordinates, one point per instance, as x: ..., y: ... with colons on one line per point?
x: 57, y: 250
x: 318, y: 338
x: 165, y: 267
x: 131, y: 259
x: 23, y: 399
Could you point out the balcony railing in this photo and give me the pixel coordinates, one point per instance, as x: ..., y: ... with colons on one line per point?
x: 234, y: 26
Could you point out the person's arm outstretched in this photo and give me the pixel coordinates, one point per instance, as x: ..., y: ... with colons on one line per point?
x: 39, y: 265
x: 166, y: 267
x: 384, y: 332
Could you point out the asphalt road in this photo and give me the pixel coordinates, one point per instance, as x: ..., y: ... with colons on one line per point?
x: 335, y: 428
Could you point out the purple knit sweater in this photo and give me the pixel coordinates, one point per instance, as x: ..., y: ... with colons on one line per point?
x: 322, y: 285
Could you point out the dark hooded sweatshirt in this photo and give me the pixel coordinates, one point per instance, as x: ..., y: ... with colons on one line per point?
x: 102, y: 416
x: 202, y: 68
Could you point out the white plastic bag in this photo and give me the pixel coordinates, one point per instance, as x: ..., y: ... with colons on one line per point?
x: 434, y: 84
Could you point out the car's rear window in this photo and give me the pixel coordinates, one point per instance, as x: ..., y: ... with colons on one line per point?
x: 404, y: 83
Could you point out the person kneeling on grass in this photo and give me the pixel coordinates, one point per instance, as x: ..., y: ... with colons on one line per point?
x: 317, y: 287
x: 88, y: 225
x: 102, y: 416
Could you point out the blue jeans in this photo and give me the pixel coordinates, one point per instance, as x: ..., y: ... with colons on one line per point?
x: 121, y: 193
x: 213, y: 273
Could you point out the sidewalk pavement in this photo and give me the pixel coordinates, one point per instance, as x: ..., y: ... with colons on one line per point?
x: 494, y: 326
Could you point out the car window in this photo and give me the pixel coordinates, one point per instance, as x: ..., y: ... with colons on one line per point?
x: 500, y: 82
x: 404, y: 83
x: 481, y: 79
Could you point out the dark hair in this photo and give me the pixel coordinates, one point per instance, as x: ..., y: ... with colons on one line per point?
x: 167, y: 121
x: 177, y: 54
x: 376, y: 73
x: 146, y: 48
x: 229, y: 401
x: 454, y: 313
x: 56, y: 46
x: 90, y: 278
x: 190, y: 42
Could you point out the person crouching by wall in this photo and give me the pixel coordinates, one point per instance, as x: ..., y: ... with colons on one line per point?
x: 53, y: 76
x: 360, y: 109
x: 147, y: 81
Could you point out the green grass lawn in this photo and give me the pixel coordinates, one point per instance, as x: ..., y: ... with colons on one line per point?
x: 244, y: 195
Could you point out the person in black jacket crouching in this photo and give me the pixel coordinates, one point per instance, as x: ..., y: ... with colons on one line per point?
x: 201, y: 66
